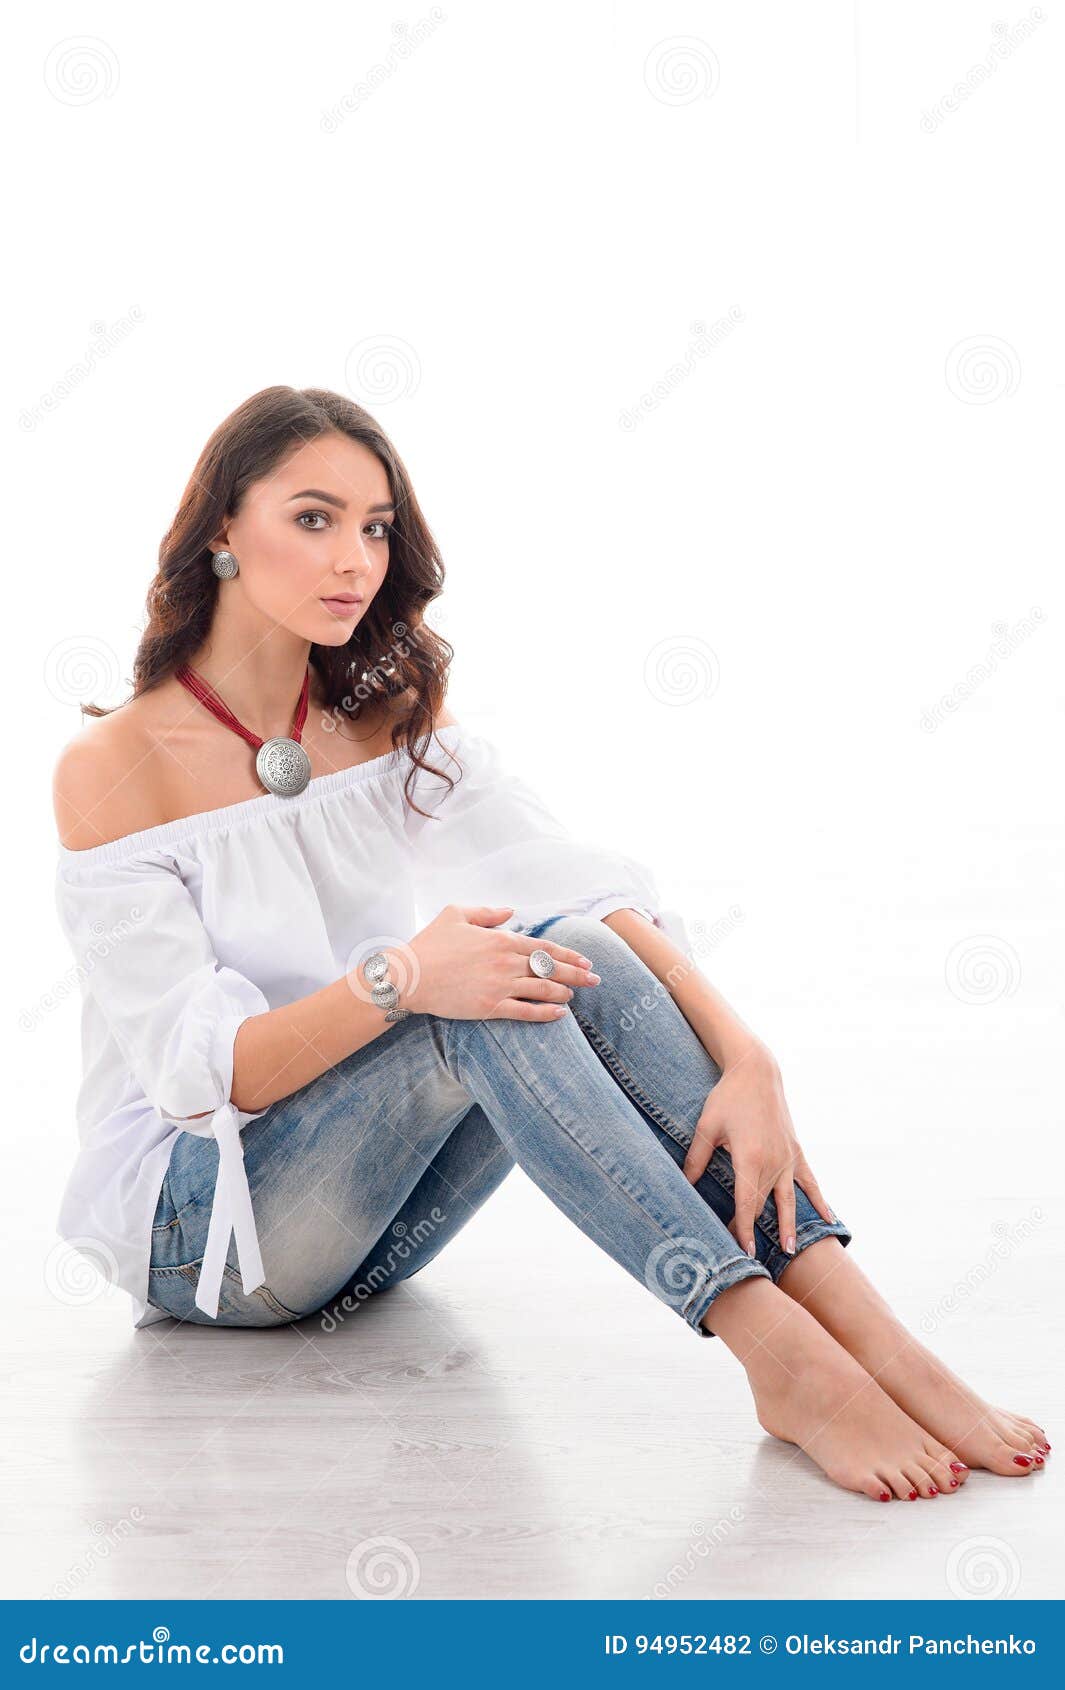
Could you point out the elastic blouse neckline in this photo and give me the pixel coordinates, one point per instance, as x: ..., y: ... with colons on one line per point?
x: 203, y: 822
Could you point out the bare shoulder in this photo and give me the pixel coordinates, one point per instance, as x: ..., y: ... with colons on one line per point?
x: 404, y: 702
x: 103, y: 786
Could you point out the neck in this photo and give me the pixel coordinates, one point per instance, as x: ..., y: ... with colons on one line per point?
x: 256, y: 666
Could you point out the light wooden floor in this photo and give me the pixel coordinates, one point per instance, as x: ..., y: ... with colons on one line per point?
x: 523, y: 1420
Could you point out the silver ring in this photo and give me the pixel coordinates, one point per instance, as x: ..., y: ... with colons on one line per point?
x: 543, y: 964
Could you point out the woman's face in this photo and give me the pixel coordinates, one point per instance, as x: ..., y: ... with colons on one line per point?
x: 314, y: 530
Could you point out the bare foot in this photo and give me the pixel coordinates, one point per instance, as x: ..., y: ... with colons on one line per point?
x: 834, y: 1289
x: 808, y: 1391
x: 983, y: 1436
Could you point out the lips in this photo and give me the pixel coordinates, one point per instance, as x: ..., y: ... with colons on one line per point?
x: 343, y: 606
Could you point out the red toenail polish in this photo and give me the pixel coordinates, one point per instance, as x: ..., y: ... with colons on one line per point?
x: 885, y: 1496
x: 953, y: 1484
x: 912, y: 1496
x: 958, y: 1467
x: 933, y: 1491
x: 1039, y: 1461
x: 1022, y: 1460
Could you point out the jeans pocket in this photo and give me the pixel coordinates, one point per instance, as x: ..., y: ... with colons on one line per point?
x: 173, y: 1289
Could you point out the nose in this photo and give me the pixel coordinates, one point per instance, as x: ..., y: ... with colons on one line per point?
x: 351, y: 572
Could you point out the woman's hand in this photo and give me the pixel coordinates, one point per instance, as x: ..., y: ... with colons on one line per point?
x: 464, y: 970
x: 747, y: 1114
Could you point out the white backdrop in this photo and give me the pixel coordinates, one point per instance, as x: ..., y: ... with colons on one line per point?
x: 724, y: 347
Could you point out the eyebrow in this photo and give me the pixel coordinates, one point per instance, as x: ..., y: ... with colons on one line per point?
x: 331, y: 499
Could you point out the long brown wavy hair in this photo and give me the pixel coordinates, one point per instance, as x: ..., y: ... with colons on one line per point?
x: 391, y: 651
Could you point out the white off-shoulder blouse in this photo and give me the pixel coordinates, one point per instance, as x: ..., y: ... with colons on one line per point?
x: 183, y: 930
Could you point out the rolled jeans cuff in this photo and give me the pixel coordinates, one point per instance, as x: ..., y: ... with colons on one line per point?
x: 729, y: 1274
x: 776, y: 1258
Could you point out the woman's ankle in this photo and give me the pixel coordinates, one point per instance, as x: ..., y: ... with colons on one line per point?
x: 741, y: 1315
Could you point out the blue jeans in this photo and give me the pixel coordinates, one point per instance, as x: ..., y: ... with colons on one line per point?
x: 361, y: 1176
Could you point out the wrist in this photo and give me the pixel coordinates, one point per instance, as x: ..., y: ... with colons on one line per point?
x: 408, y: 975
x: 386, y: 974
x: 752, y: 1054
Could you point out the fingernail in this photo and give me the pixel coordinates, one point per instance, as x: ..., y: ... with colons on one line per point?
x: 911, y: 1496
x: 750, y: 1248
x: 586, y: 961
x: 885, y: 1496
x: 789, y: 1245
x: 595, y: 978
x: 958, y: 1467
x: 1022, y: 1460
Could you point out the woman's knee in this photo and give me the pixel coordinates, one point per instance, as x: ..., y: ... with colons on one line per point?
x: 591, y: 937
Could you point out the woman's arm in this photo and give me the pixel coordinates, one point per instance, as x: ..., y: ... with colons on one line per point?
x: 746, y: 1112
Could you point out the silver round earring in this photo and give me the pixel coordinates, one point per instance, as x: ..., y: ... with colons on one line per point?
x: 225, y: 565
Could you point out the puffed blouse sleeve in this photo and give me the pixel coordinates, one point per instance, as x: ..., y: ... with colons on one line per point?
x: 145, y: 959
x: 491, y: 839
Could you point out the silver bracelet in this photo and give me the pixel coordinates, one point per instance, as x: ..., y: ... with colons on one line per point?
x: 384, y: 993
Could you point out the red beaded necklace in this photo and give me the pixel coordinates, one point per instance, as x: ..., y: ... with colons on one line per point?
x: 281, y: 764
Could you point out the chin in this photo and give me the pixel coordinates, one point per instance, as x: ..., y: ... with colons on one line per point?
x: 337, y: 633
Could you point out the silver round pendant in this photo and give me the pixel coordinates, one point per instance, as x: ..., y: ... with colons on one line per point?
x: 542, y: 963
x: 283, y: 766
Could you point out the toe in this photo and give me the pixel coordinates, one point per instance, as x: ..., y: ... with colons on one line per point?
x: 896, y: 1481
x: 944, y: 1480
x: 926, y: 1483
x: 915, y: 1477
x: 876, y: 1487
x: 1021, y: 1443
x: 1030, y: 1426
x: 948, y: 1470
x: 1005, y: 1459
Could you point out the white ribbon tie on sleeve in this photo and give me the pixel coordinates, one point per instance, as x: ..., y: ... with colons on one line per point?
x: 231, y: 1211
